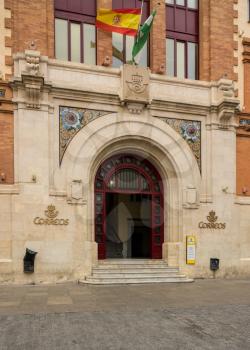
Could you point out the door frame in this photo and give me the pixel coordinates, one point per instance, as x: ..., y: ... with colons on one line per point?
x: 147, y: 174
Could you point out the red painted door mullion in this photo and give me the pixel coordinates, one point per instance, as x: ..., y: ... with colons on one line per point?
x: 152, y: 227
x: 104, y: 228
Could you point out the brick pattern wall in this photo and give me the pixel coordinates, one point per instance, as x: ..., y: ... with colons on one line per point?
x: 6, y: 136
x: 104, y: 39
x: 33, y: 21
x: 217, y: 39
x: 158, y: 38
x: 6, y: 105
x: 243, y: 134
x: 246, y: 62
x: 5, y: 42
x: 243, y: 152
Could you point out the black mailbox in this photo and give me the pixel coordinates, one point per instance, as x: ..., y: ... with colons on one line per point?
x: 28, y: 261
x: 214, y: 264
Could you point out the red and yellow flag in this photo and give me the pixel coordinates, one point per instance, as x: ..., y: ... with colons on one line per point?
x: 124, y: 21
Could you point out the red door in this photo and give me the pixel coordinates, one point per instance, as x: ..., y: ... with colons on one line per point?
x: 126, y: 173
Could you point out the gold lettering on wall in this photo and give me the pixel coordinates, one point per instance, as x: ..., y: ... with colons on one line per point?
x: 51, y: 218
x: 212, y: 224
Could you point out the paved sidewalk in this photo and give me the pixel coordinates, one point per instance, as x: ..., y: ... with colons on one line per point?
x: 209, y: 314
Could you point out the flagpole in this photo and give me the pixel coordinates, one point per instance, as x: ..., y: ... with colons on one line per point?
x: 142, y: 3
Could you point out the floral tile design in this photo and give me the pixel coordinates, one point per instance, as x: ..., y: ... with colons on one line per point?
x: 190, y: 130
x: 71, y: 120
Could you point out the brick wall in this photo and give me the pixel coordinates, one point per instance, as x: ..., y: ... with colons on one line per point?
x: 246, y: 62
x: 216, y: 39
x: 6, y: 135
x: 243, y: 166
x: 158, y: 38
x: 243, y: 134
x: 6, y: 105
x: 104, y: 39
x: 5, y: 41
x: 33, y: 21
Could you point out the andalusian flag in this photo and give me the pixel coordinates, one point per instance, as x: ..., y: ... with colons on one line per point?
x: 124, y: 21
x: 142, y: 37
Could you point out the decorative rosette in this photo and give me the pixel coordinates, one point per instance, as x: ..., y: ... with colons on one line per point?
x: 71, y: 119
x: 190, y: 131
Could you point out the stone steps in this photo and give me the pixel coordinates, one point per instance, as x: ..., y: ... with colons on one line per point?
x: 137, y: 270
x: 132, y: 262
x: 134, y: 271
x: 92, y: 280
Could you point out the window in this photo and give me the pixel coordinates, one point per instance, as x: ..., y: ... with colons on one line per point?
x: 182, y: 38
x: 123, y: 44
x: 192, y: 4
x: 75, y: 32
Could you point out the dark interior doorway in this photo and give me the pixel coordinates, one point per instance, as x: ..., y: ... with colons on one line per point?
x: 128, y: 225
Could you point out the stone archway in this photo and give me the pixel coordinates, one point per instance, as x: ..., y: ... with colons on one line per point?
x: 152, y: 139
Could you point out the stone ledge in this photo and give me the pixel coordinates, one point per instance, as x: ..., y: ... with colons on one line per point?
x: 242, y: 200
x: 9, y: 189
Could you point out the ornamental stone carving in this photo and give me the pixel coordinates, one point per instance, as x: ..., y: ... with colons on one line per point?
x: 32, y: 62
x: 224, y: 106
x: 32, y: 79
x: 29, y: 84
x: 135, y: 87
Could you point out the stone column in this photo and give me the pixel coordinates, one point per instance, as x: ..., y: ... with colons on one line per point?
x: 104, y: 39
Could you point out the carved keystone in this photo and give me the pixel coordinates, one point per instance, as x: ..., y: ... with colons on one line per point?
x: 135, y: 87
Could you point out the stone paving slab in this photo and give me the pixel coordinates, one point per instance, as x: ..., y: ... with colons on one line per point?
x: 204, y: 315
x: 205, y: 328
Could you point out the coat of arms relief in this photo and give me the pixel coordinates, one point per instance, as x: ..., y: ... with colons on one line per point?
x: 135, y: 87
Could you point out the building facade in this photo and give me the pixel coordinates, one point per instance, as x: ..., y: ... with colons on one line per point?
x: 102, y: 159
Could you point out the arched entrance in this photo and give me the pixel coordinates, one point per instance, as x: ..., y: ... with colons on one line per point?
x: 129, y: 213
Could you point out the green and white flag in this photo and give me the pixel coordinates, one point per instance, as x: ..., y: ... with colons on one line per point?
x: 142, y: 37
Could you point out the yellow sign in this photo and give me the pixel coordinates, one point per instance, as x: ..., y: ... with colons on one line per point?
x: 51, y: 218
x: 191, y: 250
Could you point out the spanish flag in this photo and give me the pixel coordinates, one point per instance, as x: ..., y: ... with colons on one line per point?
x: 124, y: 21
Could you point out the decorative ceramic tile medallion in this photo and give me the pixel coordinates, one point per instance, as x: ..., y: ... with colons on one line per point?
x: 190, y: 130
x: 71, y: 120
